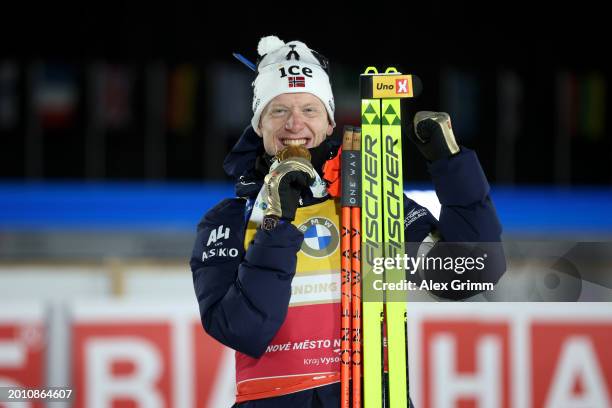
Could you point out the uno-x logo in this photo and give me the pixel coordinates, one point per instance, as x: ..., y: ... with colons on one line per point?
x: 218, y: 234
x: 401, y: 86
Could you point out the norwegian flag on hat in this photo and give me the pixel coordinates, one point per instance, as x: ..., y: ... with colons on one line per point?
x: 297, y: 82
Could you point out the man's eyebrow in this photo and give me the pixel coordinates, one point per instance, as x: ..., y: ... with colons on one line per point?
x: 277, y: 105
x: 272, y: 106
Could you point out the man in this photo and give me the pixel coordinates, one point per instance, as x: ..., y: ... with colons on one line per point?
x: 266, y: 265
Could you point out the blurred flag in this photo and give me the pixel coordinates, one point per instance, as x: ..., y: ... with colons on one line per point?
x: 461, y: 98
x: 55, y: 95
x: 114, y: 96
x: 345, y: 93
x: 182, y: 92
x: 9, y: 97
x: 582, y: 104
x: 567, y: 107
x: 592, y: 106
x: 567, y: 102
x: 510, y: 107
x: 229, y: 86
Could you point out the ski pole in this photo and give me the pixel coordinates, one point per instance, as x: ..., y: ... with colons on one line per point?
x: 356, y: 273
x: 345, y: 267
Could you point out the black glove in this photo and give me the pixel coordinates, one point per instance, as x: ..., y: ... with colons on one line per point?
x: 283, y: 185
x: 433, y: 135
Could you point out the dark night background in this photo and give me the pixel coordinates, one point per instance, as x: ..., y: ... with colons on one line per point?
x: 460, y: 52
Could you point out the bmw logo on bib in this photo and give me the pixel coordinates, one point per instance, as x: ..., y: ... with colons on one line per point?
x: 321, y: 237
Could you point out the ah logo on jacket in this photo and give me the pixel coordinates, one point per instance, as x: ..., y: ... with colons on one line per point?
x: 218, y: 234
x: 215, y: 239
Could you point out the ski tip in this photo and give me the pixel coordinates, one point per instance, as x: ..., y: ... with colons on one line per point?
x: 370, y: 71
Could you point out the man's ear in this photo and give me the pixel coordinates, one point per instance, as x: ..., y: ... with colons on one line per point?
x: 330, y: 129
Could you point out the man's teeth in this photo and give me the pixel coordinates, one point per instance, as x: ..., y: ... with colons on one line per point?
x: 294, y: 142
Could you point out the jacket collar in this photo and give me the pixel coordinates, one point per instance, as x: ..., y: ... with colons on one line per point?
x: 247, y: 163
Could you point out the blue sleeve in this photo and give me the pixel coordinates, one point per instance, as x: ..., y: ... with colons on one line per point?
x: 468, y: 213
x: 418, y: 221
x: 243, y: 296
x: 468, y: 224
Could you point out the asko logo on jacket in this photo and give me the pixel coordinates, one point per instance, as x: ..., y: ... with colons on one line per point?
x: 217, y: 235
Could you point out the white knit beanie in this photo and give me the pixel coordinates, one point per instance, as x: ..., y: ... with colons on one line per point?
x: 288, y: 68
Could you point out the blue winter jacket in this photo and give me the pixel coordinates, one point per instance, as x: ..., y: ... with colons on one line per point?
x: 243, y: 296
